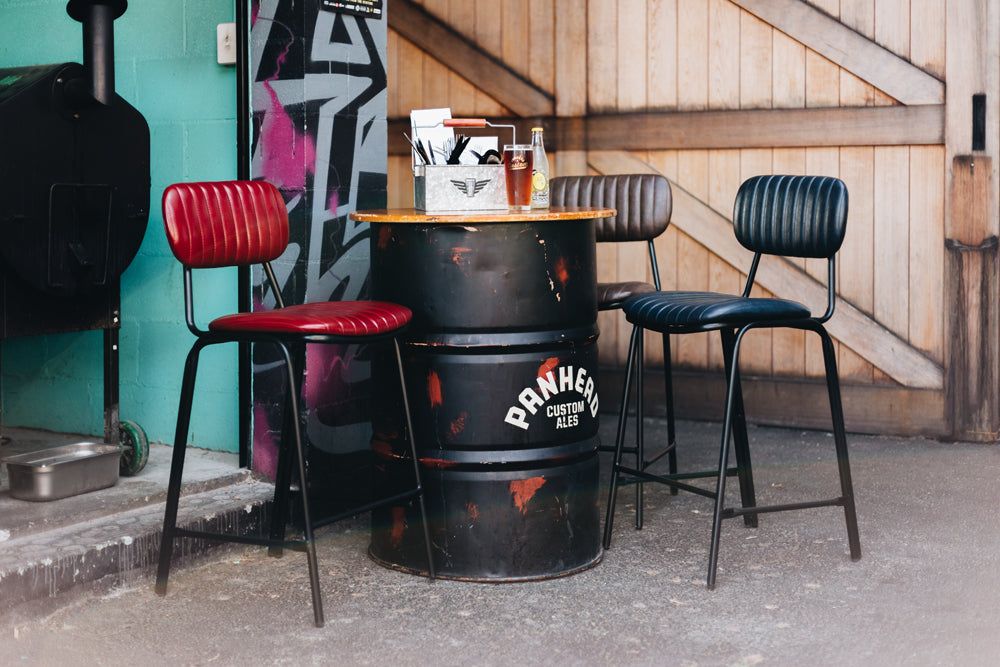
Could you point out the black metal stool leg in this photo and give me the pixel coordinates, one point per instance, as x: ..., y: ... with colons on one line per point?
x: 283, y: 474
x: 177, y: 469
x: 720, y: 487
x: 639, y: 430
x: 840, y: 440
x: 741, y: 441
x: 668, y: 391
x: 619, y: 440
x: 431, y: 573
x: 308, y: 538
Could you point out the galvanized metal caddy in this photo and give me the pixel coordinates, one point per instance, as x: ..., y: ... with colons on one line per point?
x: 460, y: 187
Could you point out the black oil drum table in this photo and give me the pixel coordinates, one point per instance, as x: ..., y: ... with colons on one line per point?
x: 501, y: 365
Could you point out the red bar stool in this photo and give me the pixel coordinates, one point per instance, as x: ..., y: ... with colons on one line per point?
x: 237, y: 223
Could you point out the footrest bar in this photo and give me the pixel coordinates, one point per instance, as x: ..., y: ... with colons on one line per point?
x: 406, y: 495
x: 659, y: 455
x: 731, y: 512
x: 668, y: 480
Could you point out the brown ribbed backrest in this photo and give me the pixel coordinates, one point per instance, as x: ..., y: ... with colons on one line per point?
x: 643, y: 203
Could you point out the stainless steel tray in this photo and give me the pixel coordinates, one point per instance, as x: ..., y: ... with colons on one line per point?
x: 59, y: 472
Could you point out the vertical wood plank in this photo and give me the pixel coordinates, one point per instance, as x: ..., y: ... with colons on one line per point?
x: 692, y: 55
x: 927, y: 212
x: 392, y: 103
x: 822, y: 81
x: 463, y: 95
x: 488, y: 22
x: 972, y: 317
x: 855, y: 272
x: 756, y: 63
x: 571, y: 65
x: 927, y: 35
x: 892, y: 30
x: 892, y: 26
x: 631, y: 55
x: 541, y: 57
x: 661, y: 73
x: 410, y: 60
x: 789, y: 58
x: 602, y: 49
x: 723, y: 58
x: 514, y: 35
x: 856, y: 260
x: 891, y: 276
x: 859, y: 15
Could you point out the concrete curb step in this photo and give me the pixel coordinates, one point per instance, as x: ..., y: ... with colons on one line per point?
x: 43, y: 570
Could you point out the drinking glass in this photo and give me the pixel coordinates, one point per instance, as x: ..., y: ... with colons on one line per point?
x: 517, y: 171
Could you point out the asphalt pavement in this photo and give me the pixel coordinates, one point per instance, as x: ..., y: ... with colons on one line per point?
x: 925, y: 591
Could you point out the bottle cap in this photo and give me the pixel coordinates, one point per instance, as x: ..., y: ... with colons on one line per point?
x: 537, y: 129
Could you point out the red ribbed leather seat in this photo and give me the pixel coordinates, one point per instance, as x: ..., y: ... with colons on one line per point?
x: 238, y: 223
x: 335, y: 318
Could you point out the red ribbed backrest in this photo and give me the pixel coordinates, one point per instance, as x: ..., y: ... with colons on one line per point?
x: 225, y: 223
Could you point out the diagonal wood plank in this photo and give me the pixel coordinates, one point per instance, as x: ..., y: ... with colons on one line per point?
x: 854, y: 52
x: 852, y: 327
x: 465, y: 58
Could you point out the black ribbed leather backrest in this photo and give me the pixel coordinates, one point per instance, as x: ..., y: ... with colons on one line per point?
x: 643, y: 203
x: 797, y: 216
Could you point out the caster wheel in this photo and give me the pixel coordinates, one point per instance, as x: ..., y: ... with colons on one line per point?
x: 135, y: 450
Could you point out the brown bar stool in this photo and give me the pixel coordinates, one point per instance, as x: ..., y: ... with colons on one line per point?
x: 644, y: 207
x: 237, y: 223
x: 786, y: 216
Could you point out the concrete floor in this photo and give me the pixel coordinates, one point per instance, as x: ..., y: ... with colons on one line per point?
x: 925, y: 591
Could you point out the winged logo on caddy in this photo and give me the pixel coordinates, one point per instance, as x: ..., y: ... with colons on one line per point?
x: 470, y: 187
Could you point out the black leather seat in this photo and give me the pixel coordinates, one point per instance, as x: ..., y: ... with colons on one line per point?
x: 792, y: 216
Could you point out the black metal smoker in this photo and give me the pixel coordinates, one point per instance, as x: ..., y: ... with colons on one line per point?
x: 74, y: 202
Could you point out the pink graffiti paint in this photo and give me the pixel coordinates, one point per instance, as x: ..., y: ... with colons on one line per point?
x: 523, y: 490
x: 327, y: 379
x: 287, y: 154
x: 265, y: 449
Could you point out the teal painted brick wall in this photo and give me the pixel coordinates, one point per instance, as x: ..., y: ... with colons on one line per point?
x: 165, y: 66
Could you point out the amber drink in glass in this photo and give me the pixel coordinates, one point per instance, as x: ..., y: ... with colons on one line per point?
x: 517, y: 164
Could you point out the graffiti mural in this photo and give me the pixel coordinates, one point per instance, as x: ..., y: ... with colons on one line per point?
x: 319, y: 134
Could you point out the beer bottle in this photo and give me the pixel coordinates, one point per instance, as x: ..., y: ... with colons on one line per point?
x: 539, y: 171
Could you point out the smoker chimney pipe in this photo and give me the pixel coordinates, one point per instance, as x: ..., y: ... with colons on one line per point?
x: 98, y: 17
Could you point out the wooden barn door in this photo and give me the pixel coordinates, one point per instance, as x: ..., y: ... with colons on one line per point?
x: 710, y: 92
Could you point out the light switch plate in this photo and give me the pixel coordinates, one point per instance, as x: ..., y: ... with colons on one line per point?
x: 226, y: 40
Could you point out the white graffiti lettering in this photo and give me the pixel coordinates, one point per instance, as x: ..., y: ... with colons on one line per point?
x: 549, y: 385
